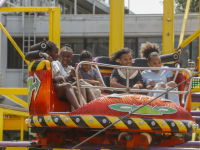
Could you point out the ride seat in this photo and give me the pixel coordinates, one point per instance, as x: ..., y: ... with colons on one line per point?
x: 75, y: 60
x: 43, y: 98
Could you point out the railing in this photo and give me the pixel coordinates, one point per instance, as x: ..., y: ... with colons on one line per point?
x: 127, y: 89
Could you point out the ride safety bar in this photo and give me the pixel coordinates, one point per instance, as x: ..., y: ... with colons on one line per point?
x: 127, y: 89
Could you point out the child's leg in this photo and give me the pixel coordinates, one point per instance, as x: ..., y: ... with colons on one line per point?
x: 89, y: 94
x: 173, y: 97
x: 65, y: 91
x: 83, y: 90
x: 77, y: 95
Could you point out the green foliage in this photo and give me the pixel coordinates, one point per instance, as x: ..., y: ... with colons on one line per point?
x: 181, y: 4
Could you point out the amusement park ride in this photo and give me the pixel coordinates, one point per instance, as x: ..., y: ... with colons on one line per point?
x: 126, y: 121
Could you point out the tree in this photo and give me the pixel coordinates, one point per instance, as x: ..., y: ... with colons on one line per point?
x: 181, y: 4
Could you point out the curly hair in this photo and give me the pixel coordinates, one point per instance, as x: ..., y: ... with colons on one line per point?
x: 119, y: 53
x: 149, y: 50
x: 67, y: 48
x: 51, y: 45
x: 85, y: 55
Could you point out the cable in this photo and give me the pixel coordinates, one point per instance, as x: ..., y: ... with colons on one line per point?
x: 132, y: 112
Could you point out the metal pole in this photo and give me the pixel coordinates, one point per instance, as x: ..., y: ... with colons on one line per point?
x: 22, y: 129
x: 94, y: 7
x: 116, y: 38
x: 0, y: 51
x: 127, y: 81
x: 78, y: 86
x: 184, y: 22
x: 199, y: 39
x: 168, y: 27
x: 1, y: 124
x: 128, y: 6
x: 75, y: 7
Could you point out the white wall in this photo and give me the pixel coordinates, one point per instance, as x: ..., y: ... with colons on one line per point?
x: 98, y: 25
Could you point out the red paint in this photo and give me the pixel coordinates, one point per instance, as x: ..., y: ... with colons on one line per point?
x: 100, y: 107
x: 46, y: 100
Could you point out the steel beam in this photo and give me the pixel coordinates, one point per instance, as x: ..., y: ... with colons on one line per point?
x: 168, y: 27
x: 199, y: 39
x: 28, y: 9
x: 54, y: 26
x: 13, y: 91
x: 1, y: 123
x: 13, y: 42
x: 15, y: 112
x: 22, y: 129
x: 184, y: 22
x: 190, y: 38
x: 116, y: 39
x: 17, y: 100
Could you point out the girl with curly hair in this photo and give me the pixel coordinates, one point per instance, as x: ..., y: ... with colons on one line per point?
x: 157, y: 79
x: 118, y: 76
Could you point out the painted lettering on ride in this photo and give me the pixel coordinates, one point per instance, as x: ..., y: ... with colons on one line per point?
x: 146, y: 110
x: 31, y: 85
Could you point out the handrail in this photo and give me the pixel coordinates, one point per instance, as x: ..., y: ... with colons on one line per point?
x: 97, y: 68
x: 177, y: 66
x: 127, y: 89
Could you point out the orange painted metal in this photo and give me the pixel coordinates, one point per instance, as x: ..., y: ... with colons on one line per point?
x: 46, y: 100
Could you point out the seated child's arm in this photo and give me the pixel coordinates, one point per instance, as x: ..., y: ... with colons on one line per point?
x: 71, y: 75
x: 169, y: 79
x: 99, y: 79
x: 114, y: 83
x: 138, y: 85
x: 94, y: 82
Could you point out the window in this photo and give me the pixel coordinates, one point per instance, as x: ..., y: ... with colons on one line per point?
x: 185, y: 53
x: 156, y: 40
x: 132, y: 44
x: 14, y: 59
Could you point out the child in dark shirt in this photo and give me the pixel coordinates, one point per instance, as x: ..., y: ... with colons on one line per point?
x: 118, y: 76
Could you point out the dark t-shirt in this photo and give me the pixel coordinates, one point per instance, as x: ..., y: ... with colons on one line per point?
x: 92, y: 75
x: 133, y: 79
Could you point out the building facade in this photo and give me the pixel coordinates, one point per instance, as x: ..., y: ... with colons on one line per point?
x: 85, y: 30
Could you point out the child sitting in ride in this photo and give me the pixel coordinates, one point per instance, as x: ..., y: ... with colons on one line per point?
x: 66, y: 56
x: 88, y: 73
x: 157, y: 79
x: 64, y: 91
x: 118, y: 76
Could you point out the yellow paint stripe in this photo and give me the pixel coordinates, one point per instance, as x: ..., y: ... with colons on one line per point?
x: 181, y: 129
x: 144, y: 126
x: 64, y: 149
x: 30, y: 66
x: 16, y: 148
x: 50, y: 123
x: 119, y: 125
x: 93, y: 124
x: 105, y: 70
x: 69, y: 123
x: 37, y: 122
x: 165, y: 127
x: 192, y: 125
x: 41, y: 65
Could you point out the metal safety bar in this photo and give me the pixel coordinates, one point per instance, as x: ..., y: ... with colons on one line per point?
x: 127, y: 89
x: 177, y: 66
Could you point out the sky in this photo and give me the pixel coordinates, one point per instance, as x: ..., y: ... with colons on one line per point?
x: 145, y: 6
